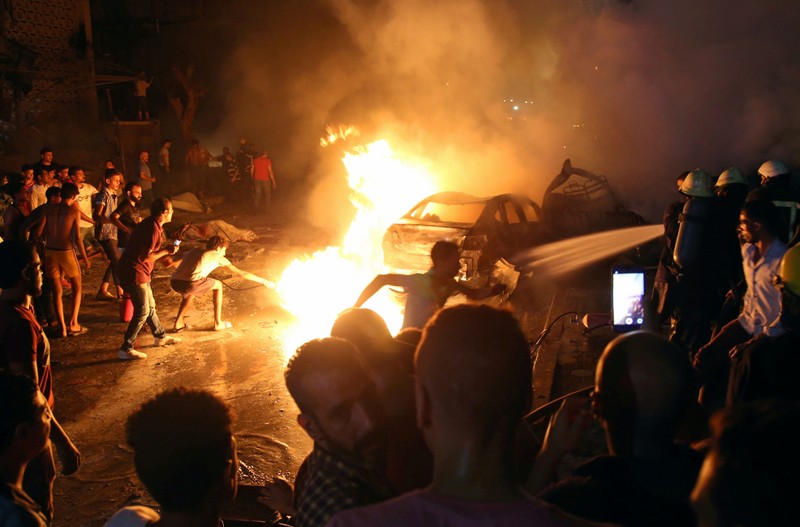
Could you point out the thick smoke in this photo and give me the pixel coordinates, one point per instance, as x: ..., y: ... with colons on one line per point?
x: 636, y: 90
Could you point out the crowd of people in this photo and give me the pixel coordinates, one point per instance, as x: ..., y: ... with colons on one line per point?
x: 428, y: 427
x: 71, y: 221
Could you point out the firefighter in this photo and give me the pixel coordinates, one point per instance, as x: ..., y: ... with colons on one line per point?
x: 665, y: 284
x: 731, y: 190
x: 776, y: 186
x: 698, y: 299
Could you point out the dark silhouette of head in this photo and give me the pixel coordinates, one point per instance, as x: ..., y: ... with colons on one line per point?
x: 749, y: 478
x: 183, y: 449
x: 642, y: 391
x: 473, y: 368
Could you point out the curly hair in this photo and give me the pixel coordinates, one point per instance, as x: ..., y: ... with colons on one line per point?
x: 181, y: 441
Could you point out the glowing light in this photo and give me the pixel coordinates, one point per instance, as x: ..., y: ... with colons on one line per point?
x: 316, y: 288
x: 516, y: 107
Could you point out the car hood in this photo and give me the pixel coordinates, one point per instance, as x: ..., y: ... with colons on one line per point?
x: 407, y: 244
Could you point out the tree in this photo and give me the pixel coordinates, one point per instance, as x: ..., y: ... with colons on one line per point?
x: 186, y: 111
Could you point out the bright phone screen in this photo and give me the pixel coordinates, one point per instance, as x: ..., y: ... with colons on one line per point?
x: 628, y: 299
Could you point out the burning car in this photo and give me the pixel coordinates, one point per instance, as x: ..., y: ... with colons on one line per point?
x: 487, y: 231
x: 491, y: 231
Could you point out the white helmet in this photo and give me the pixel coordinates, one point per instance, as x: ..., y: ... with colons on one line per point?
x: 772, y: 168
x: 731, y: 176
x: 697, y: 184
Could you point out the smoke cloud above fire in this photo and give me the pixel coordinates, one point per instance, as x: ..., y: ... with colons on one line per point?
x: 636, y: 90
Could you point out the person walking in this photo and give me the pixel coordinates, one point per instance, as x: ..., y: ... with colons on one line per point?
x: 135, y: 271
x: 263, y: 181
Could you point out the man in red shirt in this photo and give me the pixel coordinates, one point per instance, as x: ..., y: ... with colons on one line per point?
x: 135, y: 269
x: 263, y: 181
x: 24, y: 349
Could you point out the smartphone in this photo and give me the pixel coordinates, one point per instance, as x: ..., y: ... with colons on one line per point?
x: 627, y: 296
x: 176, y: 243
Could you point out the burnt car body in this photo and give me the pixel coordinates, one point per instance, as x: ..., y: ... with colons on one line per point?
x: 487, y: 230
x: 492, y: 230
x: 579, y: 202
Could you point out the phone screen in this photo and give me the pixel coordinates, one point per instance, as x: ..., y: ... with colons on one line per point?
x: 628, y: 299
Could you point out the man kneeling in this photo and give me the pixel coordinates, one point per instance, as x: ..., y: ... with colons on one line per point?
x: 191, y: 279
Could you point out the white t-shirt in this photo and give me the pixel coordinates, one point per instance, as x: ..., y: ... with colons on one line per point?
x: 38, y: 195
x: 198, y: 264
x: 84, y: 200
x: 133, y: 516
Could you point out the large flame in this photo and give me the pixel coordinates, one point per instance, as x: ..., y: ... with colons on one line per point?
x: 316, y: 288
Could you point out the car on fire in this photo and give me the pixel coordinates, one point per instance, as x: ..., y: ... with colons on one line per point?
x: 487, y: 230
x: 490, y: 231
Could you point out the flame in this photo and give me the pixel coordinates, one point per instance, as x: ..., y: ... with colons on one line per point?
x: 316, y: 288
x: 340, y: 133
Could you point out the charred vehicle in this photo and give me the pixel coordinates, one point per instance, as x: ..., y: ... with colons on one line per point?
x: 486, y: 230
x: 490, y: 231
x: 580, y: 202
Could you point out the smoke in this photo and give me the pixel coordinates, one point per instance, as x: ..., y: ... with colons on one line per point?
x: 636, y: 90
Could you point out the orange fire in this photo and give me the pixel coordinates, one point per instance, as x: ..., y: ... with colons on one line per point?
x: 316, y: 288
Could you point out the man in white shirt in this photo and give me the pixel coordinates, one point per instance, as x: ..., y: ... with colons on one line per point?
x: 84, y: 202
x: 760, y: 224
x: 42, y: 181
x: 191, y: 279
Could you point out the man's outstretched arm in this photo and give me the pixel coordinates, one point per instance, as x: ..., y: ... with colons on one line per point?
x: 251, y: 276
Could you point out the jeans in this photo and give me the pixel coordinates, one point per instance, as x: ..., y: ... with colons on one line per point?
x: 144, y: 310
x: 263, y: 194
x: 113, y: 254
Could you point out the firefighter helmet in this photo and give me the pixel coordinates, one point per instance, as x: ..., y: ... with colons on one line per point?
x: 697, y: 184
x: 731, y: 176
x: 772, y: 168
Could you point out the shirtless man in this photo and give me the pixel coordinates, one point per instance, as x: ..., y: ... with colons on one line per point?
x: 61, y: 225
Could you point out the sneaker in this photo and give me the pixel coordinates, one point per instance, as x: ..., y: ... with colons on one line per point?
x: 166, y: 341
x: 131, y: 354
